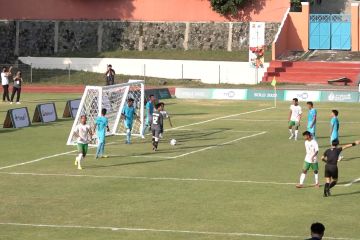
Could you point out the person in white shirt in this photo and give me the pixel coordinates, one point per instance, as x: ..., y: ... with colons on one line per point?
x: 5, y: 74
x: 83, y: 133
x: 294, y: 119
x: 312, y: 150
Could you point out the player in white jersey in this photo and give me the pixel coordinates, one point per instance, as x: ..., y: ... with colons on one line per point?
x: 312, y: 149
x: 294, y: 119
x: 83, y: 133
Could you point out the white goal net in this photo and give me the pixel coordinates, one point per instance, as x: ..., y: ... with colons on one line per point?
x: 113, y: 98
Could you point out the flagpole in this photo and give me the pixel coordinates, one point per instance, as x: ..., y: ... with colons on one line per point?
x: 273, y: 83
x: 275, y: 97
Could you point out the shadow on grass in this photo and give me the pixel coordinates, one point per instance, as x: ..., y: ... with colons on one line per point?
x: 345, y: 194
x: 350, y: 159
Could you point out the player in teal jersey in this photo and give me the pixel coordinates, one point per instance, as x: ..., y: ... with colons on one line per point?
x: 334, y: 129
x: 312, y: 115
x: 149, y: 111
x: 101, y: 124
x: 128, y: 115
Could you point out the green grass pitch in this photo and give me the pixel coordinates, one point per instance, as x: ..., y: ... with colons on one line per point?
x: 231, y: 176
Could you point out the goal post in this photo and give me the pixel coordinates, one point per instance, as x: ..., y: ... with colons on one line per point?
x: 113, y: 99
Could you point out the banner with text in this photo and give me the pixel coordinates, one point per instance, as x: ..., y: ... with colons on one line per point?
x: 229, y: 94
x: 193, y: 93
x: 257, y: 44
x: 302, y: 95
x: 17, y: 118
x: 71, y: 108
x: 253, y: 94
x: 45, y: 113
x: 338, y: 96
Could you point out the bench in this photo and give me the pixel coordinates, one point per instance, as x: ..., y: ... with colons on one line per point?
x: 344, y: 80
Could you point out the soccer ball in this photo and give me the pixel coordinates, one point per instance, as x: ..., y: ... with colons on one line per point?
x: 173, y: 142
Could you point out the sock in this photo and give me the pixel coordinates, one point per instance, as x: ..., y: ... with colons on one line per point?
x: 316, y: 178
x: 332, y: 184
x: 128, y: 135
x: 291, y: 131
x: 156, y: 144
x: 79, y: 158
x: 302, y: 178
x: 327, y: 187
x: 296, y: 133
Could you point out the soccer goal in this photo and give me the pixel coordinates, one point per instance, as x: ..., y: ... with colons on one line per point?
x: 113, y: 98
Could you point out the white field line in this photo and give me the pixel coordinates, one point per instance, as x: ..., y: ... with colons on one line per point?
x: 219, y: 118
x: 217, y: 145
x: 159, y: 178
x: 192, y: 124
x: 352, y: 182
x: 43, y: 158
x: 190, y: 232
x: 147, y: 178
x: 277, y: 120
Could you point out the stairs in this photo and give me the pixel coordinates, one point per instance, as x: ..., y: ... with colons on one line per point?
x: 309, y: 72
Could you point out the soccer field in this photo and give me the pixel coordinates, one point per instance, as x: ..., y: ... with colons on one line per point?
x: 232, y: 175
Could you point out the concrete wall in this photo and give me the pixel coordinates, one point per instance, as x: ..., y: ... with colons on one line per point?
x: 355, y: 37
x: 206, y: 71
x: 293, y: 34
x: 45, y: 38
x: 298, y: 29
x: 138, y: 10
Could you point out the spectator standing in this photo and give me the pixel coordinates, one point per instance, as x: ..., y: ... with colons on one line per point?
x: 5, y: 74
x: 110, y: 75
x: 16, y: 87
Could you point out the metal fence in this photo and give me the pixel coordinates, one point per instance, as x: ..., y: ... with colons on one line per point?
x: 68, y: 75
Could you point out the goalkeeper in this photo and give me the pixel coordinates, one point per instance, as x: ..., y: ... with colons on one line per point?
x: 101, y: 124
x: 149, y: 111
x: 128, y: 115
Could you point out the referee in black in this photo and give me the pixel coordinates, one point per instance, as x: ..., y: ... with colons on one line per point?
x: 331, y: 157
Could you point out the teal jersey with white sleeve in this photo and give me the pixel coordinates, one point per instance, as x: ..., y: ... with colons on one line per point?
x: 101, y: 123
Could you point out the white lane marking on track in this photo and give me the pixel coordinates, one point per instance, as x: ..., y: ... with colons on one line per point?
x: 173, y: 231
x: 171, y: 129
x: 147, y: 178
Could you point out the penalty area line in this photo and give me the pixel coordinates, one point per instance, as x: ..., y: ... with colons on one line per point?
x: 172, y: 231
x: 171, y: 129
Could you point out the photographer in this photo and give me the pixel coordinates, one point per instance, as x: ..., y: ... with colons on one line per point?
x: 5, y: 74
x: 110, y: 75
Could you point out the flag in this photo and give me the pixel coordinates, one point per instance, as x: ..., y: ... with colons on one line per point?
x: 273, y: 82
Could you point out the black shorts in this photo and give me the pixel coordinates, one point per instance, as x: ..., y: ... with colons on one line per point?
x: 156, y: 132
x: 331, y: 171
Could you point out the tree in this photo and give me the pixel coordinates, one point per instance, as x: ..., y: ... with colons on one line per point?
x: 226, y: 7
